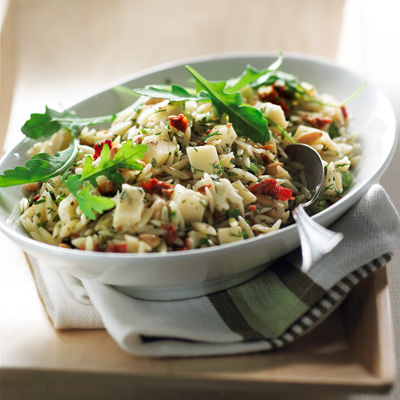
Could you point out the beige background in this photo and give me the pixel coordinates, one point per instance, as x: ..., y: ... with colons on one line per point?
x: 58, y: 51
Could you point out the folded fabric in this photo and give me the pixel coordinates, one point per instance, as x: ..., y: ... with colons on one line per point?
x: 264, y: 313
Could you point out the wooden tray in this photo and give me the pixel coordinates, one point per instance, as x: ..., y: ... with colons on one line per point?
x: 351, y: 351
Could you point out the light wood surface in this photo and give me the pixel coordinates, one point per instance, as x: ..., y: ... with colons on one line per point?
x: 55, y: 51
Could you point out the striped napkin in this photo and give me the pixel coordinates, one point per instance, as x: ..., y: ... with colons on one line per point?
x: 264, y: 313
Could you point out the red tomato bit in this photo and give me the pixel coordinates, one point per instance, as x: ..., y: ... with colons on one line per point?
x: 98, y: 147
x: 36, y: 198
x: 268, y: 96
x: 202, y: 189
x: 116, y: 248
x: 154, y: 186
x: 171, y: 235
x: 179, y: 122
x: 274, y: 96
x: 271, y: 188
x: 319, y: 122
x: 344, y: 112
x: 185, y: 247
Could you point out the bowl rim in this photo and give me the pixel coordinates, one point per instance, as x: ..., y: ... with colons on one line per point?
x: 213, y: 57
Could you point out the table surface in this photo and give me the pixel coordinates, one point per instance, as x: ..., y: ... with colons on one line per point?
x: 45, y: 56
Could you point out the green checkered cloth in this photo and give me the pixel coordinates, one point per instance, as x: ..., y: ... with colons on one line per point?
x: 264, y: 313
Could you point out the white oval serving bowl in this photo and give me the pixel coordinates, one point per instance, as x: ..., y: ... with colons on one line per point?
x: 176, y: 275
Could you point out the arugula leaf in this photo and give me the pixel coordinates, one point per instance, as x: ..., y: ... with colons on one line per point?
x: 44, y: 125
x: 250, y: 75
x: 176, y: 93
x: 127, y: 157
x: 88, y: 202
x: 247, y: 120
x: 41, y: 167
x: 293, y: 84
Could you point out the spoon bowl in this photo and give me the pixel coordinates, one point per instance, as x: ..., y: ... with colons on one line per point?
x: 316, y: 241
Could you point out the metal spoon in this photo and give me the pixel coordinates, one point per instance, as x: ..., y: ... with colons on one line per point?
x: 316, y: 241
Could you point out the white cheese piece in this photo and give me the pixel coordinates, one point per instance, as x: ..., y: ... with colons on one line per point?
x: 159, y: 149
x: 129, y: 207
x: 196, y: 238
x: 203, y: 159
x: 244, y: 193
x: 191, y: 204
x: 275, y: 113
x: 230, y: 235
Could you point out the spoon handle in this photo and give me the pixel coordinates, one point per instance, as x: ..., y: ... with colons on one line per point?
x: 316, y: 241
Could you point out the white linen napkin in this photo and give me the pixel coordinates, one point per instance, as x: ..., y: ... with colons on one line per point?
x: 264, y: 313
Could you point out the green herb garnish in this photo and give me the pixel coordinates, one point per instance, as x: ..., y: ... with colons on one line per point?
x: 41, y: 167
x: 88, y: 202
x: 251, y: 75
x: 233, y: 213
x: 247, y: 120
x: 347, y: 181
x: 204, y: 242
x: 333, y: 131
x: 283, y: 132
x: 176, y: 93
x: 254, y: 168
x: 204, y: 138
x: 51, y: 121
x: 126, y: 157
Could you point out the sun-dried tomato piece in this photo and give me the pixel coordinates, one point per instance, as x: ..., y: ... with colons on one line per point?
x: 344, y: 112
x: 171, y: 235
x: 273, y: 95
x: 319, y: 122
x: 202, y: 189
x: 98, y: 147
x: 268, y: 95
x: 179, y: 122
x: 281, y: 89
x: 271, y: 188
x: 154, y: 186
x: 116, y: 248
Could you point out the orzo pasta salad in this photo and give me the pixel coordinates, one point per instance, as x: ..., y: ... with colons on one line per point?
x: 182, y: 168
